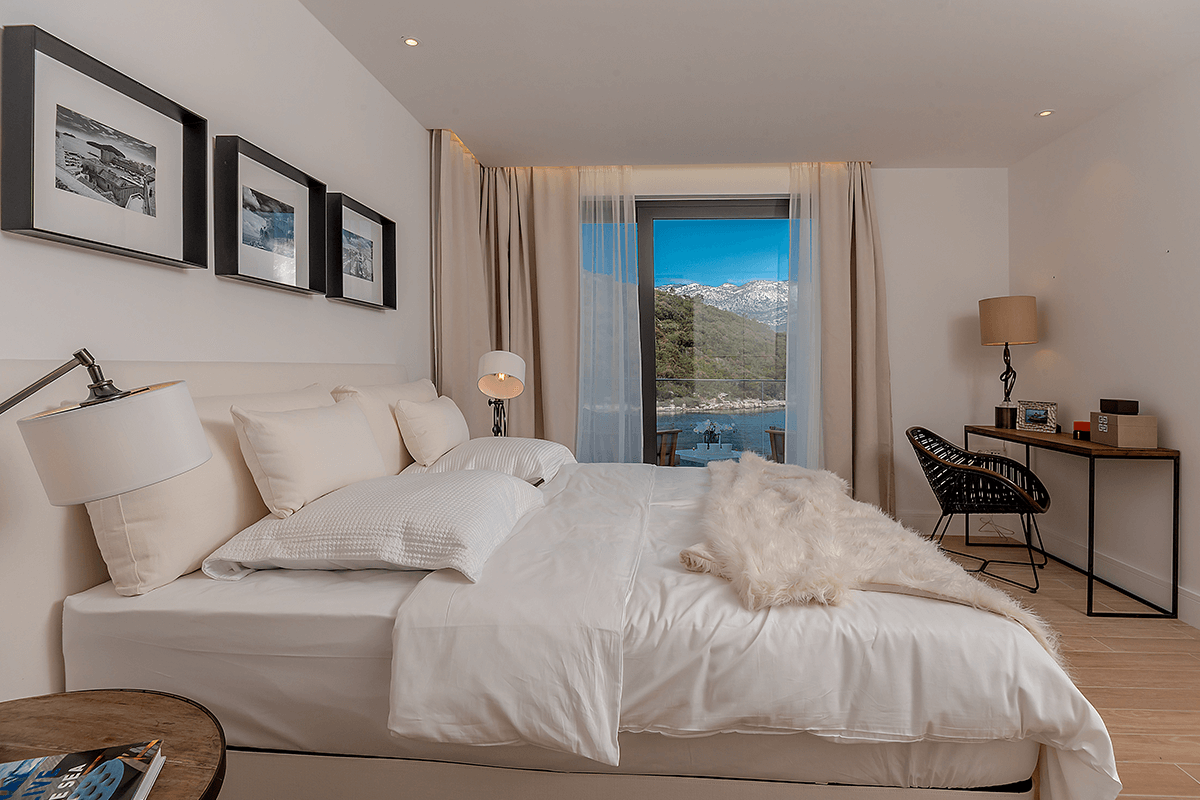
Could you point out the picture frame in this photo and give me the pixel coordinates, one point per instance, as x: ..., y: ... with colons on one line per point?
x: 1034, y: 415
x: 361, y: 258
x: 268, y: 219
x: 90, y: 157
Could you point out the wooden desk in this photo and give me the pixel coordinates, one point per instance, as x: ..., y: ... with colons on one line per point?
x: 193, y: 742
x: 1092, y: 451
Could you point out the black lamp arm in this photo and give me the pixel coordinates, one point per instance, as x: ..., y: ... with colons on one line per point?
x: 499, y: 418
x: 100, y: 389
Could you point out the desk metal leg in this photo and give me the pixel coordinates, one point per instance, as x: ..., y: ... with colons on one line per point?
x: 1175, y: 545
x: 967, y: 517
x: 1159, y: 611
x: 1091, y: 568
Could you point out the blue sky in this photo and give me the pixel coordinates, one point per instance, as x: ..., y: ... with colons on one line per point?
x: 716, y: 251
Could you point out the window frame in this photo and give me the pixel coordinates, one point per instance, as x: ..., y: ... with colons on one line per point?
x: 647, y: 212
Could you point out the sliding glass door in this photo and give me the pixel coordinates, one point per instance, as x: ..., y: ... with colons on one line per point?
x: 713, y: 303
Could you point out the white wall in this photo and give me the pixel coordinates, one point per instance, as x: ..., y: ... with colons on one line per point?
x: 266, y: 71
x: 945, y: 246
x: 1104, y: 233
x: 269, y: 72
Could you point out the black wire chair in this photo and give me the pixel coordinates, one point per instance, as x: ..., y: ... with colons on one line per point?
x: 982, y: 483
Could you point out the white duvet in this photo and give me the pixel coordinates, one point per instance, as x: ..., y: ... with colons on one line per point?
x: 584, y: 624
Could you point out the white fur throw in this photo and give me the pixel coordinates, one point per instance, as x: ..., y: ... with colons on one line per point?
x: 785, y: 534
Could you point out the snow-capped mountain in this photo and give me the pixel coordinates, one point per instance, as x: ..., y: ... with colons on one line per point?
x: 764, y: 301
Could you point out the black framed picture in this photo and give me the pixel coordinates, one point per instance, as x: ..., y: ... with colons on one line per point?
x: 268, y: 219
x: 93, y: 158
x: 361, y: 262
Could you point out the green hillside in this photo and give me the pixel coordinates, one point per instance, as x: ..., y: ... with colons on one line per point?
x: 694, y: 340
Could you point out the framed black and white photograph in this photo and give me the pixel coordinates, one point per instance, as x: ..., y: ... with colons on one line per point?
x: 1033, y: 415
x: 268, y: 219
x: 361, y: 262
x: 93, y: 158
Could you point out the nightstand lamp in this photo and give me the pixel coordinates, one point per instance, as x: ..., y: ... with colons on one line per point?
x: 501, y: 377
x: 1005, y: 321
x: 114, y: 441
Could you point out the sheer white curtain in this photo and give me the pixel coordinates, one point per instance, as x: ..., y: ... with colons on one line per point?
x: 803, y: 419
x: 610, y: 369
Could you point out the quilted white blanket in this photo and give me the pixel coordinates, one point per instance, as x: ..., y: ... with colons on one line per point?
x: 785, y: 534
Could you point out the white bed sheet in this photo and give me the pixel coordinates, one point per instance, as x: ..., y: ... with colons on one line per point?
x: 694, y: 661
x: 300, y: 660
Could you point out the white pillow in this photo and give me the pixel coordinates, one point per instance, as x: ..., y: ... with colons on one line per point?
x: 151, y: 536
x: 431, y: 429
x: 453, y: 520
x: 298, y: 456
x: 376, y: 402
x: 533, y: 460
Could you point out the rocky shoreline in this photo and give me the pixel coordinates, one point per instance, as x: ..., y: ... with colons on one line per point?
x: 720, y: 405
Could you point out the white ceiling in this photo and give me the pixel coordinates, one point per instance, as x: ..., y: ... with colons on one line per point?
x: 902, y: 83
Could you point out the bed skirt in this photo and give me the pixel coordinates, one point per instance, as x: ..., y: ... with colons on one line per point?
x: 252, y: 775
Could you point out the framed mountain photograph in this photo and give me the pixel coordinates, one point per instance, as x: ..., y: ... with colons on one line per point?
x: 93, y: 158
x: 268, y: 219
x: 361, y: 262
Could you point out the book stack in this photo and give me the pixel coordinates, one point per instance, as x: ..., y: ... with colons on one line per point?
x: 125, y: 772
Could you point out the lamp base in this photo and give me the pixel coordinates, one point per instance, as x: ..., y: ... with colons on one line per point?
x: 1006, y: 417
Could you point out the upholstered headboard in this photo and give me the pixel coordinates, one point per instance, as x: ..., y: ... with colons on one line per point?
x: 55, y: 547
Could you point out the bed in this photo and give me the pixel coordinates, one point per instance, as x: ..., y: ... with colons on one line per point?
x: 911, y: 695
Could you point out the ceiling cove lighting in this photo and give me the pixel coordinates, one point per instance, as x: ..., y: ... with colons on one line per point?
x: 1045, y: 112
x: 411, y: 41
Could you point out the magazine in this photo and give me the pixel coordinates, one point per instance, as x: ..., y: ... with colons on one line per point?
x: 125, y: 772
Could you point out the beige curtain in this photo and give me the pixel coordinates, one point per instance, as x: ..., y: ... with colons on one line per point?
x: 506, y: 277
x: 856, y: 394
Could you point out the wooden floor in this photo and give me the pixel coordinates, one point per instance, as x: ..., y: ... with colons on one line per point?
x: 1142, y: 675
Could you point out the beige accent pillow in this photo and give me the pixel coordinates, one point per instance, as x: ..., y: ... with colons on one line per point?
x: 431, y: 429
x: 298, y: 456
x: 376, y: 402
x: 151, y: 536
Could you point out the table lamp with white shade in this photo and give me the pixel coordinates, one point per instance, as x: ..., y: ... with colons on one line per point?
x: 501, y: 377
x: 1005, y: 321
x: 114, y: 441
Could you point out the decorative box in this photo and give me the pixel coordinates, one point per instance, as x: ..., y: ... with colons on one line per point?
x: 1118, y: 406
x: 1125, y: 430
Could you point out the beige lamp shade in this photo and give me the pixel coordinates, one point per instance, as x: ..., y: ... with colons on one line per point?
x: 1008, y: 320
x: 88, y: 452
x: 501, y: 374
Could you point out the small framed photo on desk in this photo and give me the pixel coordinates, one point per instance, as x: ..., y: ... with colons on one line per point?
x: 1033, y: 415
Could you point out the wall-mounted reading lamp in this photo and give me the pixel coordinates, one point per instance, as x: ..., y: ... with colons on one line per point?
x: 501, y: 377
x: 112, y: 442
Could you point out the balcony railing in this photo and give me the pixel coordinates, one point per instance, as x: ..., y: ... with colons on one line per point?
x: 741, y: 410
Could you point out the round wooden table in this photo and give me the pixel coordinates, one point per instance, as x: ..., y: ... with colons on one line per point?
x: 193, y: 742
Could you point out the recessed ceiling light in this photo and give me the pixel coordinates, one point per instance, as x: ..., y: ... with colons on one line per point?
x: 1045, y: 113
x: 411, y: 41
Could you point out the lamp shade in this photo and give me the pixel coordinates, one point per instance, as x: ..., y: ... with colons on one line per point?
x: 88, y: 452
x: 1008, y: 320
x: 501, y: 374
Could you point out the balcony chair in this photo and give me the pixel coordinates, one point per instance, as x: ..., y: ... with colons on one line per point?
x: 668, y: 440
x: 982, y: 483
x: 777, y: 444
